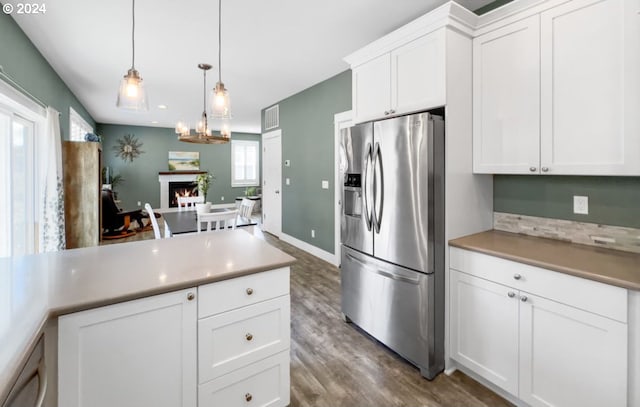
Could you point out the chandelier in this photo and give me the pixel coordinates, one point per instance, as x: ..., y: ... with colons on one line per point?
x: 203, y: 133
x: 220, y: 105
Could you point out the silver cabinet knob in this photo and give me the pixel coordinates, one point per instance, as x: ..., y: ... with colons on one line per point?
x: 248, y: 337
x: 248, y: 397
x: 386, y: 113
x: 249, y: 291
x: 277, y: 191
x: 523, y: 298
x: 511, y: 294
x: 532, y: 169
x: 517, y: 276
x: 191, y: 296
x: 392, y: 111
x: 545, y: 169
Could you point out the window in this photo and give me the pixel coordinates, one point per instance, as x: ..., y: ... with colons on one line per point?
x: 18, y: 177
x: 78, y: 126
x: 244, y: 163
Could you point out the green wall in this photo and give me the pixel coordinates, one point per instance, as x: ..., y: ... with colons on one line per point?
x: 22, y: 61
x: 306, y: 121
x: 491, y: 6
x: 612, y: 200
x: 141, y: 176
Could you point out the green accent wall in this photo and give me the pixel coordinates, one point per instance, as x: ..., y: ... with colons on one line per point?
x: 491, y: 6
x: 612, y: 200
x: 306, y: 121
x: 141, y: 175
x: 22, y: 61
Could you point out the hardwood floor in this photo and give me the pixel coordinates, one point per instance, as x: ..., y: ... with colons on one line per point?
x: 336, y: 364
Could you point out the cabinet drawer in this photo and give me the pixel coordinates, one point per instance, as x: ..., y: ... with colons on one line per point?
x: 242, y: 291
x: 237, y: 338
x: 592, y: 296
x: 262, y: 384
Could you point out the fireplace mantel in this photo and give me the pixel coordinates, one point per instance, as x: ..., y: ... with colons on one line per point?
x: 165, y: 177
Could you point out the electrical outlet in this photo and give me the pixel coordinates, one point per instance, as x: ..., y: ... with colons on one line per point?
x: 138, y: 203
x: 313, y: 233
x: 581, y: 205
x: 287, y: 181
x: 287, y: 163
x: 325, y: 184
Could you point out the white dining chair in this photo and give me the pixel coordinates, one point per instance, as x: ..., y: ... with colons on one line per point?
x: 246, y: 209
x: 186, y: 203
x: 154, y: 221
x: 221, y: 220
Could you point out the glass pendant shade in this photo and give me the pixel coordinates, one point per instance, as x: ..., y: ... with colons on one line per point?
x: 131, y: 94
x: 220, y: 102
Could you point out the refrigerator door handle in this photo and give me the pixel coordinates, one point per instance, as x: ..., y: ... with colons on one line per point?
x: 378, y: 190
x: 384, y: 273
x: 365, y: 189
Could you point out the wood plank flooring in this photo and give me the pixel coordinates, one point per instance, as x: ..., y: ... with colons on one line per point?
x: 335, y: 364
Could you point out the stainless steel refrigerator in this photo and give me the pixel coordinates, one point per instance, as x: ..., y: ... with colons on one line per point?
x: 392, y: 232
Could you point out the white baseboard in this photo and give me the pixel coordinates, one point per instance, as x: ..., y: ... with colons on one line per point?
x: 311, y: 249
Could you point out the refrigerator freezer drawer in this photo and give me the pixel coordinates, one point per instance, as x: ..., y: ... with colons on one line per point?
x: 394, y: 305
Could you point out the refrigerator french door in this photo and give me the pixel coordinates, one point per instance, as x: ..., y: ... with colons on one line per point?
x: 392, y: 232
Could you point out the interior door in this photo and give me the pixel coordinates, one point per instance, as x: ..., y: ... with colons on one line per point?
x: 272, y: 182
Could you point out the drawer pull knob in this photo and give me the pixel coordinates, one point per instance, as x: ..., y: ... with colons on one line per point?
x: 249, y: 337
x: 191, y: 296
x: 511, y: 294
x: 249, y: 291
x: 523, y: 298
x: 517, y: 276
x: 386, y: 113
x: 545, y: 169
x: 248, y: 397
x: 532, y: 169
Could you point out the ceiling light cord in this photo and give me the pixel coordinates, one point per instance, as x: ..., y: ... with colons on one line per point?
x: 133, y: 34
x: 219, y: 40
x: 204, y: 100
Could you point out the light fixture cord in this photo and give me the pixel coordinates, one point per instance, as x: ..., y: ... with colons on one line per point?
x: 220, y: 41
x: 204, y: 100
x: 133, y: 32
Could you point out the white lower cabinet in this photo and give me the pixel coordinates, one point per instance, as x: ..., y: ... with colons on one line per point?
x: 526, y: 339
x: 222, y: 344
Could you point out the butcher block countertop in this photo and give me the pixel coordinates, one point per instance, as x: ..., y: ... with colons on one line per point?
x: 613, y: 267
x: 34, y: 289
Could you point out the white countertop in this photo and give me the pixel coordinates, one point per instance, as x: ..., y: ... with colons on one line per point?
x: 36, y: 288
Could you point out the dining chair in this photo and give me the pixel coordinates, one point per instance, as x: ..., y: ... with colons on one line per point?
x: 221, y: 220
x: 246, y: 209
x: 186, y: 203
x: 154, y: 221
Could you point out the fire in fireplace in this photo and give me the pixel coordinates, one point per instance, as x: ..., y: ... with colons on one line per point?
x: 177, y: 189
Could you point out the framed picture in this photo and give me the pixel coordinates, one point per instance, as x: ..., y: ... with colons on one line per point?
x: 184, y: 161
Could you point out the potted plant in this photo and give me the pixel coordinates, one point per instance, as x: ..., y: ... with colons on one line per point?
x: 204, y: 182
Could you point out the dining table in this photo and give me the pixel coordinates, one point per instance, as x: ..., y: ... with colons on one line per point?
x: 183, y: 222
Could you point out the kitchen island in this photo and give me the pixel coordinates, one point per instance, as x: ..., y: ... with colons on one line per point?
x: 38, y: 290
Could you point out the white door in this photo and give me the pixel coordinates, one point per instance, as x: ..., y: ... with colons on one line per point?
x: 135, y: 353
x: 590, y: 56
x: 484, y: 329
x: 506, y: 99
x: 272, y: 182
x: 371, y: 89
x: 570, y: 357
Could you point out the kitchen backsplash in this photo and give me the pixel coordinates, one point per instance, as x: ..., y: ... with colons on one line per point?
x: 592, y: 234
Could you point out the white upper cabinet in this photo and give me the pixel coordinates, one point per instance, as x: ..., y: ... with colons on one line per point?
x: 407, y: 79
x: 569, y: 95
x: 506, y: 99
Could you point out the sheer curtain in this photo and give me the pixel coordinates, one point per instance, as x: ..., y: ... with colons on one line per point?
x: 52, y: 236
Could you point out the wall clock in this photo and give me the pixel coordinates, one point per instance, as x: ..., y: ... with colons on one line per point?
x: 128, y: 148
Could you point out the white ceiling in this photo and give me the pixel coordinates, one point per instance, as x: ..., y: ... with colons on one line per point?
x: 271, y: 49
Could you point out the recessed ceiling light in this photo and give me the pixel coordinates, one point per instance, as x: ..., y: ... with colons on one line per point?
x: 154, y: 122
x: 162, y: 106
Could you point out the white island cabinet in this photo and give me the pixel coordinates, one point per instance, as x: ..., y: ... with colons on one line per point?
x: 556, y: 89
x: 219, y: 344
x: 546, y: 338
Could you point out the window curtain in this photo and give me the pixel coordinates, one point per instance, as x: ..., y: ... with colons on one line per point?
x: 52, y: 236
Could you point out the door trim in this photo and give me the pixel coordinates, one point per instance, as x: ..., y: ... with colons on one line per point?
x: 265, y: 136
x: 341, y: 121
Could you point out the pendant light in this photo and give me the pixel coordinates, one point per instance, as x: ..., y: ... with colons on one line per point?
x: 131, y: 94
x: 220, y: 101
x: 202, y: 133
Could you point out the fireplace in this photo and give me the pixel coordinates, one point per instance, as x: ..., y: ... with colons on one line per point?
x: 177, y: 189
x: 166, y: 177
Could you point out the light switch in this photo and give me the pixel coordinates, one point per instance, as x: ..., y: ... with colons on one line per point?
x: 325, y: 184
x: 287, y: 163
x: 287, y: 181
x: 581, y: 205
